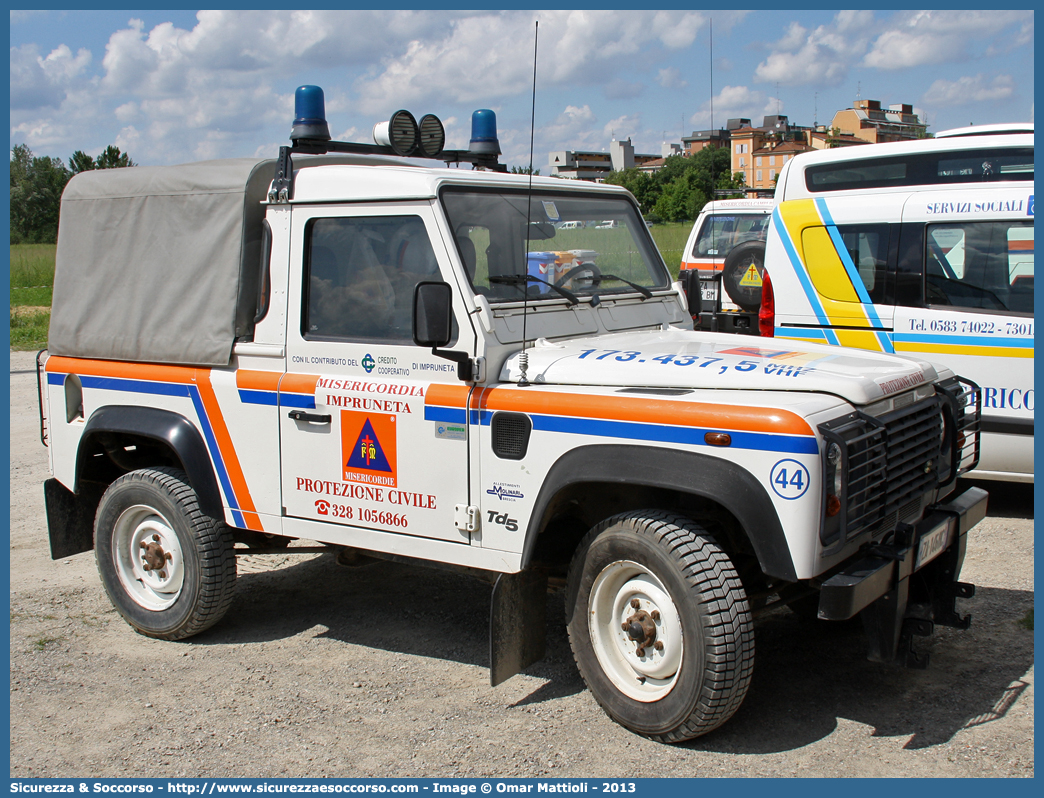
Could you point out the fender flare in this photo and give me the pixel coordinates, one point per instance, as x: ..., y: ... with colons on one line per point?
x: 730, y: 485
x: 167, y: 427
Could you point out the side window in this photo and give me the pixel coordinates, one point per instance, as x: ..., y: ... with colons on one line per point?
x: 980, y: 265
x: 867, y: 246
x: 360, y: 277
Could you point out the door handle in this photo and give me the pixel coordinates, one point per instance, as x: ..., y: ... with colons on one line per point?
x: 314, y: 418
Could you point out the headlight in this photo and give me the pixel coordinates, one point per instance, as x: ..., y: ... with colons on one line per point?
x: 835, y: 479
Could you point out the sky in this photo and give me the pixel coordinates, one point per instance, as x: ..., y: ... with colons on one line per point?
x: 179, y: 86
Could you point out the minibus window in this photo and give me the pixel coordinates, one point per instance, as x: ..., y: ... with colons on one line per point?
x: 980, y: 265
x: 923, y: 169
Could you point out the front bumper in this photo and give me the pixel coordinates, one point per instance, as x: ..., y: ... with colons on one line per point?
x: 904, y: 589
x: 942, y: 531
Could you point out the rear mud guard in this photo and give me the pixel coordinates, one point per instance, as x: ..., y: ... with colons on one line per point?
x: 70, y: 517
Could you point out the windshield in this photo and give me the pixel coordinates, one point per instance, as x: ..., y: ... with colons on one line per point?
x: 581, y: 243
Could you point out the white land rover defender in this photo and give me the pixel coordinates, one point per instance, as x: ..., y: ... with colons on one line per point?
x: 343, y: 346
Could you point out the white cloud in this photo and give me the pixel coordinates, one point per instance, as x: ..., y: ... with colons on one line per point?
x: 936, y: 37
x: 671, y: 78
x: 573, y: 129
x: 819, y: 57
x: 966, y: 90
x: 734, y: 102
x: 38, y: 82
x: 623, y: 127
x: 491, y: 55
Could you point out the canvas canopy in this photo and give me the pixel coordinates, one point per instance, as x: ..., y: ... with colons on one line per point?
x: 159, y: 264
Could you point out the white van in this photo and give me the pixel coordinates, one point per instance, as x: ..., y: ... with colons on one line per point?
x: 722, y: 227
x: 923, y: 248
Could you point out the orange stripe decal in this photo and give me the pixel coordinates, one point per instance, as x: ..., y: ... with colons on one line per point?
x: 182, y: 375
x: 258, y: 380
x: 228, y: 452
x: 646, y: 410
x: 446, y: 395
x: 299, y: 383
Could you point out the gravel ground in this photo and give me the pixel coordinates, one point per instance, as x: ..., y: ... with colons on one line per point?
x: 324, y: 670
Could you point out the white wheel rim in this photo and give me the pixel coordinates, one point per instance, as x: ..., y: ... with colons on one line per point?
x: 652, y: 675
x: 139, y: 527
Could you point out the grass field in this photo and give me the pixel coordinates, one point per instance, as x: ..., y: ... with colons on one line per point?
x: 32, y: 277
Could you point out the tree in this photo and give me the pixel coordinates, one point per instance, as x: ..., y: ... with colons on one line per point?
x: 36, y: 191
x: 686, y: 184
x: 112, y: 158
x: 639, y: 183
x: 524, y: 170
x: 81, y: 162
x: 37, y: 184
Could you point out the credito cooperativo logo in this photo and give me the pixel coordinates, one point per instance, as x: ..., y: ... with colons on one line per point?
x: 368, y: 362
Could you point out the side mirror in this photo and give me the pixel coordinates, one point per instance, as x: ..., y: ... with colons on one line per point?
x: 432, y: 314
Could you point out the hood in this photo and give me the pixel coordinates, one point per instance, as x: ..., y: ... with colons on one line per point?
x: 697, y: 360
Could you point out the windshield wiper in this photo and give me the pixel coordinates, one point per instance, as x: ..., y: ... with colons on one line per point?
x: 645, y: 292
x: 522, y: 279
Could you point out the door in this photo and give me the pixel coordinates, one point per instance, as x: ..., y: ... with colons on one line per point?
x: 965, y: 299
x: 357, y: 449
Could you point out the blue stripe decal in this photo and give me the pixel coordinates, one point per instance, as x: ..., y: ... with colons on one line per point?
x: 258, y: 397
x: 690, y: 436
x: 853, y: 274
x: 806, y: 285
x: 215, y: 453
x: 297, y: 400
x: 631, y: 430
x: 135, y: 386
x: 448, y: 415
x: 964, y: 340
x: 55, y: 379
x: 801, y: 332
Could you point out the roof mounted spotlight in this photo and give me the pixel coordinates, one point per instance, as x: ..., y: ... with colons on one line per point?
x: 432, y: 135
x: 400, y: 133
x: 484, y: 133
x: 310, y: 111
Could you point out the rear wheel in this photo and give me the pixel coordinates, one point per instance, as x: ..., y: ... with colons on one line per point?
x: 660, y: 625
x: 168, y: 568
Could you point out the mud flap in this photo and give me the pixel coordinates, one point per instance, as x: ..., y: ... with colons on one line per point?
x: 517, y: 623
x: 70, y: 518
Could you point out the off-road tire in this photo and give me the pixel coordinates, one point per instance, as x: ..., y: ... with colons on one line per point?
x: 194, y: 589
x: 714, y: 628
x: 738, y: 261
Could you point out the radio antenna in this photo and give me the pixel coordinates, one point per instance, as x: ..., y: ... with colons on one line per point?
x: 523, y: 358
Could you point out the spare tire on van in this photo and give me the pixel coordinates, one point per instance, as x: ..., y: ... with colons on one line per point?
x: 742, y: 274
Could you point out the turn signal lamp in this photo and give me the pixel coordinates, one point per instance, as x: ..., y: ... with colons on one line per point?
x: 310, y: 115
x: 400, y: 133
x: 484, y: 133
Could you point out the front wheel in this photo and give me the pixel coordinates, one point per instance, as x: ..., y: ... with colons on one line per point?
x: 168, y: 568
x: 660, y: 625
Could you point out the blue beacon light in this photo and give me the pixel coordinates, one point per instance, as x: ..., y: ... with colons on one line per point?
x: 310, y: 112
x: 484, y: 133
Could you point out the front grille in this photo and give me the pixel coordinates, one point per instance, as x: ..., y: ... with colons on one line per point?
x: 892, y: 463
